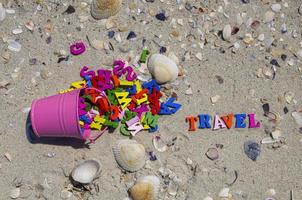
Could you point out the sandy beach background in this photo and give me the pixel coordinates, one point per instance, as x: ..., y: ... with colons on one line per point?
x: 210, y: 66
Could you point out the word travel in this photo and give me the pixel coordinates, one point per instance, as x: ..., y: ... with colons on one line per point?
x: 221, y: 122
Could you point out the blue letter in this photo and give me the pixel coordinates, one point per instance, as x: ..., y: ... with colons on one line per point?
x: 204, y: 121
x: 240, y: 120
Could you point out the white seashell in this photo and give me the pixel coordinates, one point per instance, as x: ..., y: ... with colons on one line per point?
x: 268, y: 140
x: 199, y: 56
x: 298, y: 117
x: 215, y: 98
x: 145, y: 188
x: 239, y: 19
x: 97, y: 44
x: 276, y: 7
x: 13, y: 45
x: 226, y: 33
x: 208, y: 198
x: 271, y: 192
x: 2, y: 13
x: 269, y: 16
x: 299, y: 54
x: 130, y: 155
x: 224, y: 193
x: 162, y: 68
x: 86, y: 172
x: 17, y: 31
x: 289, y: 96
x: 261, y: 37
x: 159, y: 144
x: 15, y: 193
x: 65, y: 194
x: 276, y: 134
x: 102, y: 9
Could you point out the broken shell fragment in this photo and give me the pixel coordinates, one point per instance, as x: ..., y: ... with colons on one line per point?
x: 86, y: 172
x: 269, y: 16
x: 129, y: 154
x: 15, y: 193
x: 159, y: 144
x: 102, y: 9
x: 298, y: 117
x: 162, y: 68
x: 145, y: 188
x: 212, y: 153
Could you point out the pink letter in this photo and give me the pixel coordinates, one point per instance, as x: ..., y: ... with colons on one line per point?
x: 218, y: 123
x: 252, y: 123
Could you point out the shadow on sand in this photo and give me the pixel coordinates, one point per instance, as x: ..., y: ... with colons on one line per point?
x: 32, y: 138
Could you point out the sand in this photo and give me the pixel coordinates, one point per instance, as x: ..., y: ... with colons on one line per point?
x: 39, y: 169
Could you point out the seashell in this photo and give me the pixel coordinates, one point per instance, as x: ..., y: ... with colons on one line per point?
x: 226, y: 32
x: 276, y: 7
x: 261, y: 37
x: 289, y: 96
x: 13, y: 45
x: 17, y: 31
x: 15, y: 193
x: 159, y: 144
x: 269, y: 16
x: 298, y: 117
x: 239, y: 19
x: 268, y: 72
x: 208, y: 198
x: 215, y: 98
x: 276, y: 134
x: 145, y: 188
x: 224, y: 193
x: 252, y: 149
x: 65, y: 194
x: 102, y: 9
x: 97, y: 44
x: 268, y: 140
x: 212, y: 153
x: 2, y: 13
x: 86, y: 172
x: 29, y: 25
x: 129, y: 154
x: 162, y: 68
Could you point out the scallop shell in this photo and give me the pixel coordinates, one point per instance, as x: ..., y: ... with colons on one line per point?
x: 129, y: 154
x: 145, y: 188
x: 86, y: 172
x: 162, y: 68
x: 102, y: 9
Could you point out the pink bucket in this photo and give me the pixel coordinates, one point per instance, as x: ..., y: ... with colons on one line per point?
x: 57, y: 116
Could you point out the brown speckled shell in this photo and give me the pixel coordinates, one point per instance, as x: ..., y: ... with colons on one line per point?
x: 102, y: 9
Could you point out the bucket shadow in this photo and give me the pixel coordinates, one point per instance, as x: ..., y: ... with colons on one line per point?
x: 32, y: 138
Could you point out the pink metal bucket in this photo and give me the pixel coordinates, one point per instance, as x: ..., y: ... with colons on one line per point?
x: 57, y: 116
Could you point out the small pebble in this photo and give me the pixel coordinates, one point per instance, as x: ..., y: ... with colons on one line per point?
x: 111, y: 34
x: 48, y: 40
x: 32, y: 61
x: 276, y: 7
x: 131, y: 35
x: 252, y: 149
x: 219, y: 79
x: 215, y: 98
x: 285, y: 110
x: 274, y: 62
x: 283, y: 57
x: 161, y: 16
x: 69, y: 10
x: 162, y: 50
x: 245, y: 1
